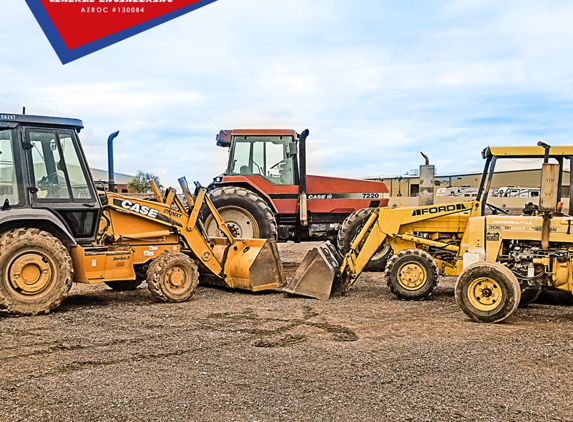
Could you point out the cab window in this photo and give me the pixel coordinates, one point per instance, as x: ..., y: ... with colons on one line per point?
x: 263, y: 155
x: 56, y: 166
x: 8, y: 183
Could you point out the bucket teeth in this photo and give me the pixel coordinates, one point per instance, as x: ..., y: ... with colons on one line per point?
x: 316, y: 273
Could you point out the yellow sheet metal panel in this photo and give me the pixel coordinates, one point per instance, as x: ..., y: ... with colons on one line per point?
x: 109, y: 266
x: 447, y: 224
x: 144, y: 253
x: 124, y: 225
x: 78, y: 262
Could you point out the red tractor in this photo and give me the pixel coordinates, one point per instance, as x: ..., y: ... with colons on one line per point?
x: 266, y: 193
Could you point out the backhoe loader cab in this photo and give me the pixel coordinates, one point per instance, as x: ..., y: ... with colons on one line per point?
x: 502, y: 260
x: 44, y: 177
x: 55, y: 229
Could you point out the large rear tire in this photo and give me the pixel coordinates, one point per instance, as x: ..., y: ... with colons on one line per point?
x: 348, y: 232
x: 412, y: 274
x: 172, y: 277
x: 36, y: 272
x: 487, y: 292
x: 246, y: 215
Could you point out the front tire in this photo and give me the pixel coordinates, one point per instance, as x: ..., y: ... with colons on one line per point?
x: 412, y: 274
x: 36, y: 272
x: 487, y: 292
x: 246, y: 215
x: 172, y: 277
x: 350, y: 228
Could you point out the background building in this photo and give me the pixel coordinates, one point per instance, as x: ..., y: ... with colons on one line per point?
x: 121, y: 180
x: 408, y: 185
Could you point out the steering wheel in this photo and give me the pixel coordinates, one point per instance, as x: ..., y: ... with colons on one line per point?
x: 494, y: 209
x: 276, y: 165
x: 52, y: 179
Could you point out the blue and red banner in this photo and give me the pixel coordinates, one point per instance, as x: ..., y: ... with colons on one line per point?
x: 76, y: 28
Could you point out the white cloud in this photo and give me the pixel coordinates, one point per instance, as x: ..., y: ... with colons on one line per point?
x: 375, y: 81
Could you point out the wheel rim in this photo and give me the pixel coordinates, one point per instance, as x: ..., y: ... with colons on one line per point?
x: 484, y: 294
x: 382, y: 251
x: 31, y: 274
x: 178, y: 280
x: 412, y: 276
x: 240, y: 222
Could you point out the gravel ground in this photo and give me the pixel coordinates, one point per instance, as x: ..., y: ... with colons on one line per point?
x: 234, y: 356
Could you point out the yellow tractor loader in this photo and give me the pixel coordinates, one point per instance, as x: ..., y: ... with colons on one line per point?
x: 501, y: 260
x: 56, y: 228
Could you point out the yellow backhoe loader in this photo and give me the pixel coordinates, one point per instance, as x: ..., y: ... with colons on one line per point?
x: 57, y: 228
x: 501, y: 260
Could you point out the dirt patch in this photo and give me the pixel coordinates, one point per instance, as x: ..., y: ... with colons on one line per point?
x: 235, y: 356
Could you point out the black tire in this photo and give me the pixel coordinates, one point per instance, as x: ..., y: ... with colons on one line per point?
x: 36, y: 272
x: 412, y: 274
x: 172, y: 277
x: 487, y: 292
x: 244, y: 212
x: 350, y: 228
x: 528, y: 296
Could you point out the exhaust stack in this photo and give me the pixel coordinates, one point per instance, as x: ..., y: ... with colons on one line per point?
x: 110, y: 169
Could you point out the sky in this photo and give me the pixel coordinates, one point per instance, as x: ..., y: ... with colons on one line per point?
x: 375, y: 82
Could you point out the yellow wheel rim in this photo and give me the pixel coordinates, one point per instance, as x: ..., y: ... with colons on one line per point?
x: 485, y: 294
x: 30, y: 274
x: 178, y: 279
x: 412, y: 276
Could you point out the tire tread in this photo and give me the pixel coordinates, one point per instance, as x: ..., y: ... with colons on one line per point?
x: 31, y: 236
x: 433, y: 274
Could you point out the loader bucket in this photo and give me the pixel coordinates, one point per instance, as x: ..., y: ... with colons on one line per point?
x: 317, y: 272
x: 254, y: 264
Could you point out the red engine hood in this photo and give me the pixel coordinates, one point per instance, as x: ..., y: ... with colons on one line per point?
x: 323, y: 184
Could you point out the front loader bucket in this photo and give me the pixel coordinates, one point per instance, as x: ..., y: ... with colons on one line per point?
x: 254, y: 264
x: 316, y: 274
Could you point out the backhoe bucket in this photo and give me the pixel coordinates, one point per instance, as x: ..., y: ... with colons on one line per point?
x: 254, y: 264
x: 317, y: 272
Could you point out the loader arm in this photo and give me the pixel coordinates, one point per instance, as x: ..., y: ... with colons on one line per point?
x: 402, y: 228
x: 169, y: 218
x: 250, y: 264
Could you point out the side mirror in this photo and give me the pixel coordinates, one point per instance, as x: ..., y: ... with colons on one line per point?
x: 292, y: 150
x: 223, y: 138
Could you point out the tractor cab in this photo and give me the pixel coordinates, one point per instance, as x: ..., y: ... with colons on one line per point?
x: 266, y: 191
x: 271, y: 154
x: 556, y: 180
